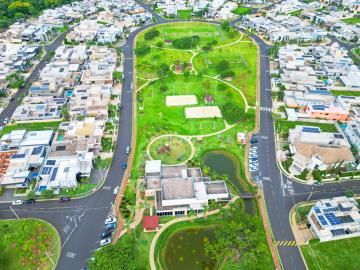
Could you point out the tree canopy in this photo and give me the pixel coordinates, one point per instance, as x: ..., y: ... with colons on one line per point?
x: 186, y: 42
x: 151, y: 34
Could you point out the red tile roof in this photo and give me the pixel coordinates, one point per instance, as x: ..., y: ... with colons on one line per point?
x: 151, y: 222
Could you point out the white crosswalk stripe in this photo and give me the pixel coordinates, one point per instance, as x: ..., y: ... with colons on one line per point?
x: 265, y: 109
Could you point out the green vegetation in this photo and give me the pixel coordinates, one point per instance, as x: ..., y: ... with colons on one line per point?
x: 296, y: 13
x: 25, y: 243
x: 15, y: 80
x: 186, y: 42
x: 283, y: 126
x: 185, y: 14
x: 151, y: 34
x: 31, y: 126
x: 107, y: 144
x: 353, y: 20
x: 102, y: 163
x: 14, y: 10
x: 241, y: 11
x: 170, y: 150
x: 301, y: 213
x: 345, y: 93
x: 81, y: 189
x: 332, y: 254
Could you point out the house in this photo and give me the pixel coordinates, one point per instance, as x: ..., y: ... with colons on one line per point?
x: 45, y: 88
x: 335, y: 218
x: 334, y: 112
x: 352, y: 132
x: 311, y: 148
x: 178, y: 189
x: 20, y: 137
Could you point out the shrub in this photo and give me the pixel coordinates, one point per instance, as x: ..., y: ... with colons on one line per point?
x: 186, y: 42
x: 142, y: 50
x: 151, y: 34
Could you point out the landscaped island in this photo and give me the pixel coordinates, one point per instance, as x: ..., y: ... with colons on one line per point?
x: 28, y: 244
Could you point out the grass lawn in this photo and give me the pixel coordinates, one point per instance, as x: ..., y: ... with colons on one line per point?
x: 185, y: 14
x: 106, y: 144
x: 345, y: 93
x: 241, y: 11
x: 301, y: 212
x: 170, y: 150
x: 80, y: 190
x: 283, y: 126
x: 333, y: 254
x: 353, y: 20
x: 24, y: 243
x: 296, y: 13
x: 31, y: 126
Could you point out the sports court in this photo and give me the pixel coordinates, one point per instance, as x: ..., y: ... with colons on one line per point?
x: 181, y: 100
x: 203, y: 112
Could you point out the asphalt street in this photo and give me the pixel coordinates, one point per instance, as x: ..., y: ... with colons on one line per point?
x: 80, y: 221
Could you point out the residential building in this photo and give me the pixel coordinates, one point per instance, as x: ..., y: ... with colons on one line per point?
x: 352, y: 132
x: 21, y: 138
x: 336, y: 218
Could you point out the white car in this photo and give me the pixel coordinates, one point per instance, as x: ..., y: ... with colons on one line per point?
x: 17, y: 202
x: 105, y: 242
x: 116, y: 190
x: 110, y: 220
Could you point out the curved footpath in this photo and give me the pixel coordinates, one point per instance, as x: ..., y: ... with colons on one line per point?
x: 80, y: 221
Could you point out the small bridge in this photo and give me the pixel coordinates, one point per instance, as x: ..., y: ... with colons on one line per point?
x: 247, y: 195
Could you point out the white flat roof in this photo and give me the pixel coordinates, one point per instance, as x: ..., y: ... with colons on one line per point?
x: 153, y: 166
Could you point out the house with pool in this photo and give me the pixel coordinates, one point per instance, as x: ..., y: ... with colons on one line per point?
x: 178, y: 189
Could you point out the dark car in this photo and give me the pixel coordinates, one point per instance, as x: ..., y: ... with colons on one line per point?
x: 105, y: 234
x: 254, y: 140
x: 29, y: 201
x: 124, y: 165
x: 64, y: 199
x: 111, y: 226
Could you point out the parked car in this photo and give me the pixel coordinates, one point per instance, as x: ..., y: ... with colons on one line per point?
x: 253, y: 169
x: 254, y: 140
x: 105, y: 234
x: 123, y: 166
x: 6, y: 120
x: 17, y: 202
x: 105, y: 242
x: 318, y: 184
x: 64, y: 199
x: 111, y: 226
x: 127, y: 150
x: 29, y: 201
x: 116, y: 190
x: 110, y: 220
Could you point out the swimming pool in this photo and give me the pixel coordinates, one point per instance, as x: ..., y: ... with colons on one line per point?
x: 41, y: 188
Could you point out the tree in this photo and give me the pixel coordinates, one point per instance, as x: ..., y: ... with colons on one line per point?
x: 162, y: 71
x: 186, y: 42
x: 225, y: 26
x: 232, y: 113
x: 65, y: 113
x: 142, y: 50
x: 317, y: 175
x: 222, y: 65
x: 30, y: 195
x: 47, y: 193
x: 163, y: 88
x: 151, y: 34
x: 221, y: 87
x: 159, y: 44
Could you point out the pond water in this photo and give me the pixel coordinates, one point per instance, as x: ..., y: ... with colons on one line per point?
x: 223, y: 162
x: 185, y: 249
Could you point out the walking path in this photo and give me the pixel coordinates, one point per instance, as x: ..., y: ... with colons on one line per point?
x: 168, y: 224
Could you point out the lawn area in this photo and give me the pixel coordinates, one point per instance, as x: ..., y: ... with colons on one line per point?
x: 242, y: 59
x: 333, y: 254
x: 283, y: 126
x: 107, y: 144
x: 31, y: 126
x: 170, y: 150
x: 80, y: 190
x: 185, y: 14
x: 207, y: 33
x: 353, y: 20
x: 296, y: 13
x: 301, y: 213
x: 241, y: 11
x: 24, y: 243
x: 345, y: 93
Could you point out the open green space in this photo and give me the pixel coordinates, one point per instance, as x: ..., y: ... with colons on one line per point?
x: 333, y: 254
x: 185, y: 14
x: 31, y: 126
x: 345, y: 93
x: 25, y: 243
x: 353, y: 20
x: 170, y: 150
x: 283, y: 126
x: 241, y: 11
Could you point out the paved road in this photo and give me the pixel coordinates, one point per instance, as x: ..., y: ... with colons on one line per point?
x: 80, y: 221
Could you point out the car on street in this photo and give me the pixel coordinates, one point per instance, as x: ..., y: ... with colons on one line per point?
x: 6, y: 120
x: 105, y: 242
x: 29, y: 201
x: 116, y: 190
x: 64, y: 199
x: 254, y: 140
x: 109, y: 220
x: 105, y: 234
x: 123, y: 165
x: 253, y: 169
x: 111, y: 226
x: 318, y: 184
x: 17, y: 202
x: 127, y: 150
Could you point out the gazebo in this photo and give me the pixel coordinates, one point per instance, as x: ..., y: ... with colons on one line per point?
x: 151, y: 223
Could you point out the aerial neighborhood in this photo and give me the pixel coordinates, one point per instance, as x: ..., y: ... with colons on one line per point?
x: 179, y: 134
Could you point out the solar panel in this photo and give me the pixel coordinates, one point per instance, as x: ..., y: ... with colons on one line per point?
x: 333, y: 219
x: 53, y: 176
x: 36, y: 150
x: 319, y: 107
x: 338, y: 232
x: 322, y: 220
x: 331, y: 209
x: 46, y: 170
x: 18, y: 156
x: 317, y: 210
x: 50, y: 162
x: 311, y: 129
x: 346, y: 219
x: 328, y: 204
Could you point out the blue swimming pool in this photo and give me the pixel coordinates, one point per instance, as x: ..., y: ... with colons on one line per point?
x: 41, y: 188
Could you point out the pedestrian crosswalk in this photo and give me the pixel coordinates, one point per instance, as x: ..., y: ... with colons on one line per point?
x: 285, y: 243
x: 265, y: 109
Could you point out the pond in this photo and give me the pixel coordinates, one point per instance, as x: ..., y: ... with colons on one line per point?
x: 185, y: 249
x: 223, y: 162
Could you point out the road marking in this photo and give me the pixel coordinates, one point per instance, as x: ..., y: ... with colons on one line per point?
x: 268, y: 89
x: 71, y: 255
x: 66, y: 229
x: 265, y: 109
x: 14, y: 212
x: 106, y: 187
x: 264, y: 137
x: 266, y: 178
x: 285, y: 243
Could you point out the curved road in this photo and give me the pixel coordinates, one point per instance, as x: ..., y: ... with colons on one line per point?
x: 80, y: 221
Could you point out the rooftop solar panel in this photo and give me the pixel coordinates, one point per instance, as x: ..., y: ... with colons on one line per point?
x: 322, y: 220
x: 311, y: 129
x: 54, y: 173
x: 346, y: 219
x: 317, y: 210
x: 337, y: 232
x: 50, y: 162
x: 36, y: 150
x: 18, y: 156
x: 332, y: 219
x: 46, y: 170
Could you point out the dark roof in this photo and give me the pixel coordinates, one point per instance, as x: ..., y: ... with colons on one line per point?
x: 151, y: 222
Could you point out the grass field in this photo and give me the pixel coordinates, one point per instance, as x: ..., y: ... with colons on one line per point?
x: 346, y: 93
x: 184, y: 14
x: 179, y: 150
x: 353, y: 20
x: 24, y: 243
x: 31, y: 126
x: 333, y: 255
